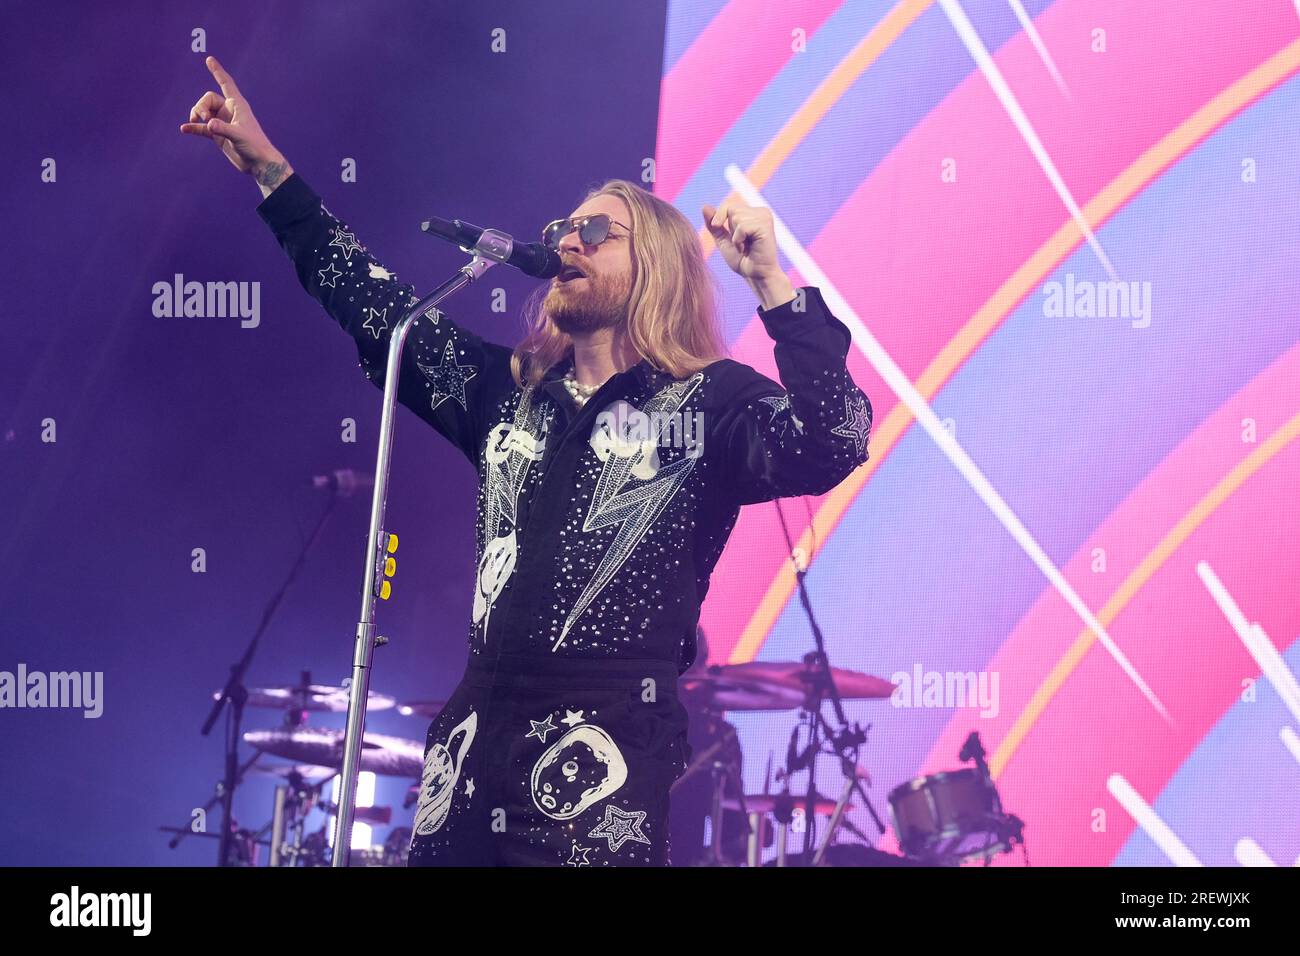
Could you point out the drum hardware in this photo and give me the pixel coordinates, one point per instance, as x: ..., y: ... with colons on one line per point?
x: 843, y: 741
x: 292, y: 803
x: 766, y: 686
x: 302, y: 793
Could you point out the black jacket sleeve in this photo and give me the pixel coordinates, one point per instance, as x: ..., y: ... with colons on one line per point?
x: 805, y: 438
x: 449, y: 375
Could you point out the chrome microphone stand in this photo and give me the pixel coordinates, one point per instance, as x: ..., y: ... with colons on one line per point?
x: 486, y: 253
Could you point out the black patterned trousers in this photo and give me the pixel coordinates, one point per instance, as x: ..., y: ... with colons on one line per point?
x: 552, y: 762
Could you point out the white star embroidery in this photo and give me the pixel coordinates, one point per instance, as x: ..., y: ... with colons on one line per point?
x: 379, y: 272
x: 572, y: 717
x: 347, y: 243
x: 579, y: 851
x: 329, y: 275
x: 541, y: 729
x: 857, y: 421
x: 780, y: 404
x: 469, y: 786
x: 448, y: 377
x: 618, y: 827
x: 382, y: 318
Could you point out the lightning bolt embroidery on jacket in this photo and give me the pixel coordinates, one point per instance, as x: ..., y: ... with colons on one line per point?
x: 635, y: 508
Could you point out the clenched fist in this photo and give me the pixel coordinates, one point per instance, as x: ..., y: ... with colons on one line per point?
x: 228, y: 120
x: 746, y: 237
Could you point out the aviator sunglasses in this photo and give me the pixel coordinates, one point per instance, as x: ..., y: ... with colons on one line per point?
x: 592, y: 230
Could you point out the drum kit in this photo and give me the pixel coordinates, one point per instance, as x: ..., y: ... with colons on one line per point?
x: 944, y: 819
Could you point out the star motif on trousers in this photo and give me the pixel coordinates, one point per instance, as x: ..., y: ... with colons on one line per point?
x: 618, y: 827
x: 579, y: 856
x: 541, y: 728
x: 329, y: 275
x: 571, y: 717
x: 346, y: 241
x: 380, y: 319
x: 448, y: 377
x: 469, y: 786
x: 857, y: 421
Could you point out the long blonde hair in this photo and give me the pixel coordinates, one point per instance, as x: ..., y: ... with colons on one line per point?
x: 672, y: 314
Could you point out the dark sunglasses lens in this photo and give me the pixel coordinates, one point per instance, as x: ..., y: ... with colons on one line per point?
x: 554, y: 232
x: 595, y: 230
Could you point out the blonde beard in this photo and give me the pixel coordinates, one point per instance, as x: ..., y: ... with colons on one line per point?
x: 597, y: 307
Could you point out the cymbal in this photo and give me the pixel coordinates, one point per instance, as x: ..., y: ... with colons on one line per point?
x: 766, y: 803
x: 852, y: 685
x: 771, y: 685
x: 381, y: 754
x: 421, y: 708
x: 318, y: 697
x: 726, y: 690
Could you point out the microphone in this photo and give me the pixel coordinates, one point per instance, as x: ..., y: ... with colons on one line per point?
x: 343, y: 482
x: 531, y: 258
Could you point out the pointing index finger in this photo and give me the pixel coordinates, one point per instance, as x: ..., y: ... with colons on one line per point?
x: 228, y: 88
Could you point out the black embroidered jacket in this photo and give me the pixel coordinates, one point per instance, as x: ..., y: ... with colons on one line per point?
x: 598, y: 527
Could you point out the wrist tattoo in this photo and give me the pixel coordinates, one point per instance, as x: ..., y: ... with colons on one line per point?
x: 271, y: 174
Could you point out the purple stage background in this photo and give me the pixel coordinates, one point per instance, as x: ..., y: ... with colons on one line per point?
x: 175, y: 434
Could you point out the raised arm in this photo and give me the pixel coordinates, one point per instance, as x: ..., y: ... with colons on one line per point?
x: 803, y: 438
x: 807, y: 434
x: 449, y: 374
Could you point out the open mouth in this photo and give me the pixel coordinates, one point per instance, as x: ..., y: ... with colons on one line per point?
x: 569, y: 273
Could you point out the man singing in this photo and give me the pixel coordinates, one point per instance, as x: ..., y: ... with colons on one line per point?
x: 614, y: 446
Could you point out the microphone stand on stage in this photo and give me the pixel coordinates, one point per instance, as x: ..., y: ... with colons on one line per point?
x: 845, y: 739
x: 487, y: 246
x: 236, y: 694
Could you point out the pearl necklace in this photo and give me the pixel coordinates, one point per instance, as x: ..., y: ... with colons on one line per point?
x: 579, y: 391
